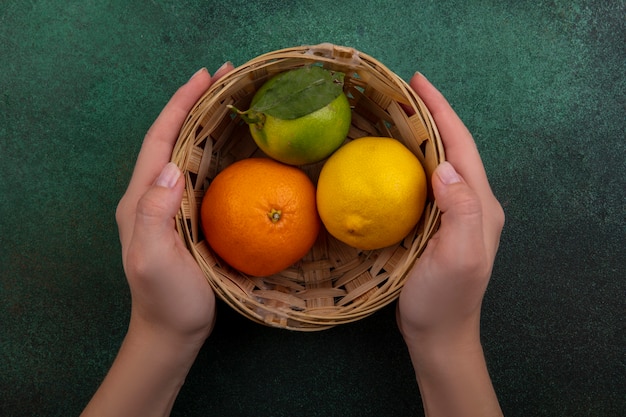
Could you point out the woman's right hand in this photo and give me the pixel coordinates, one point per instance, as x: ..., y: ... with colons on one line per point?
x: 439, y: 307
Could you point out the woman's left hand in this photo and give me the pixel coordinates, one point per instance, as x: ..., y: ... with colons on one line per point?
x: 173, y: 306
x: 169, y: 291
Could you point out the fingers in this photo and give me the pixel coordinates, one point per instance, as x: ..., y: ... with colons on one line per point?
x: 459, y: 145
x: 156, y: 209
x: 158, y: 144
x: 157, y: 147
x: 223, y: 70
x: 462, y: 153
x: 156, y: 150
x: 462, y: 220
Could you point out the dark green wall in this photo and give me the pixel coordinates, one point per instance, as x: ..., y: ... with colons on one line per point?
x: 540, y: 84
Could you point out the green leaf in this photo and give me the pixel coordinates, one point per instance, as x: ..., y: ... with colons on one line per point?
x: 296, y: 93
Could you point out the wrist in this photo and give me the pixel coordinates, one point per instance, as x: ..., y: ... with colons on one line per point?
x: 441, y: 343
x: 458, y: 335
x: 434, y: 355
x: 451, y: 372
x: 162, y: 344
x: 147, y: 374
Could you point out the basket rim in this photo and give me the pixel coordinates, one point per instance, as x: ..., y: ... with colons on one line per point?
x: 330, y: 54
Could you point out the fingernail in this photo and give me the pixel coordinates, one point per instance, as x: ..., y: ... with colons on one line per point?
x: 169, y: 176
x: 417, y: 73
x: 197, y: 72
x: 447, y: 174
x: 224, y: 65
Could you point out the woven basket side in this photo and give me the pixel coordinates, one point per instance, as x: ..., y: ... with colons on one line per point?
x: 333, y: 283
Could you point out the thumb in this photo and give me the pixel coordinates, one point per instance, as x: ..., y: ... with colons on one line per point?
x: 461, y: 231
x: 158, y: 206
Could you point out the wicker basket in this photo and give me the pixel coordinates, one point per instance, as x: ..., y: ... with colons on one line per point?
x: 333, y: 283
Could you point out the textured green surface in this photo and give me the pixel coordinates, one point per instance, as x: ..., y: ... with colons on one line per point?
x: 540, y: 84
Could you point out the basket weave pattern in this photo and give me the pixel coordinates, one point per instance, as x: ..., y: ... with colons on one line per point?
x: 334, y: 283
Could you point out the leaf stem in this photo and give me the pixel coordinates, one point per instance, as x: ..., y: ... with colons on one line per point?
x: 248, y: 116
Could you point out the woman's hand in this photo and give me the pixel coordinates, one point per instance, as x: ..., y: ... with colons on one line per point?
x: 169, y: 291
x: 439, y: 306
x: 173, y: 306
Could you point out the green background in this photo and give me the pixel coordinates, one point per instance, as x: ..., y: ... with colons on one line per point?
x: 541, y: 84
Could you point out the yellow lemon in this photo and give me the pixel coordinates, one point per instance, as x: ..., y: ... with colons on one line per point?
x: 371, y: 192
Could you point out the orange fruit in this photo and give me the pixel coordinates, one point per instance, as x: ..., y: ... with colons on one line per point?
x: 371, y: 192
x: 259, y: 215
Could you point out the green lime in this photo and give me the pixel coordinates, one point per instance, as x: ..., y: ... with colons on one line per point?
x: 300, y: 116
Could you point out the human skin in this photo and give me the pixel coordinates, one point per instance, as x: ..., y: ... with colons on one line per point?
x: 439, y: 308
x: 173, y: 308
